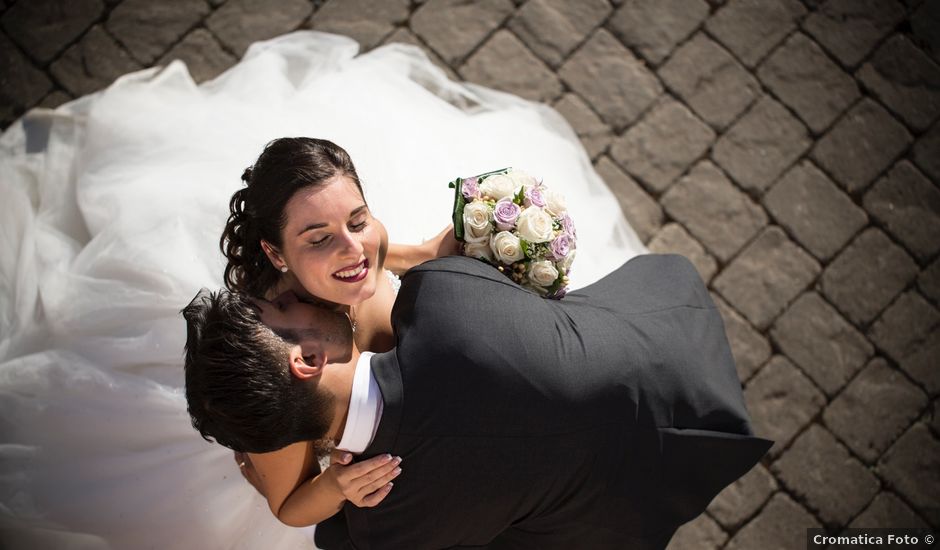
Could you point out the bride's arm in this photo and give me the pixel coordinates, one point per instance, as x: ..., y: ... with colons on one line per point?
x: 281, y: 474
x: 299, y: 500
x: 402, y: 257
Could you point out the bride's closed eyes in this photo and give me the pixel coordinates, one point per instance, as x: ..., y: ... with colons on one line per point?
x: 355, y: 227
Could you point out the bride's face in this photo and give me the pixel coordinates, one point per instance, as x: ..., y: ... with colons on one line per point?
x: 331, y: 243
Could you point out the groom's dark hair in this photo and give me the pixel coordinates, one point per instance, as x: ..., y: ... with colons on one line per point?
x: 239, y: 387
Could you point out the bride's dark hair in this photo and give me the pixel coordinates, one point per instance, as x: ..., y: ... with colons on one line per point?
x: 286, y: 166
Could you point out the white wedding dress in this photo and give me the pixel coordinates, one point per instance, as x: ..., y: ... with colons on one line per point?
x: 111, y: 211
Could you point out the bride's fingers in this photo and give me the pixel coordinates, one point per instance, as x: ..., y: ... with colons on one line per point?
x: 376, y: 497
x: 377, y: 473
x: 355, y: 471
x: 340, y: 457
x: 379, y: 482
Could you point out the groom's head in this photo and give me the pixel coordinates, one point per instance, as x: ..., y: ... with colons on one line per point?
x: 253, y: 369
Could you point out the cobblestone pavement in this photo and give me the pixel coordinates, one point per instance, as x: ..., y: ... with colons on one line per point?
x: 790, y: 149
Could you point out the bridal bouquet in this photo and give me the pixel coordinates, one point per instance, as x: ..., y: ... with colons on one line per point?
x: 508, y: 219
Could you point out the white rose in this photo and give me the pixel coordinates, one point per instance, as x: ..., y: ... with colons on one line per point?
x: 543, y: 273
x: 479, y: 250
x: 507, y: 247
x: 498, y: 187
x: 555, y: 203
x: 521, y: 179
x: 476, y: 222
x: 535, y: 225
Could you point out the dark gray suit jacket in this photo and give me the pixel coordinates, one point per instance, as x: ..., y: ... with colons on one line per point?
x: 602, y: 420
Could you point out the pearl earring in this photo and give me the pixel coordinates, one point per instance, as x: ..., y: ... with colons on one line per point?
x: 283, y: 269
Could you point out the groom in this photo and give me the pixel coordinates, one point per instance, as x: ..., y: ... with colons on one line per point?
x: 603, y: 420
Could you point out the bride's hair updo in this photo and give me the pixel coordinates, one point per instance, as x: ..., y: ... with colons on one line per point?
x: 286, y: 166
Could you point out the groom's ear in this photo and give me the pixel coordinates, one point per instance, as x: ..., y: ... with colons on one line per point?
x: 305, y: 367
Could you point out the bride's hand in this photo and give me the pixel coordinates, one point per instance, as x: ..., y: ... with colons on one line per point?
x: 443, y: 244
x: 366, y: 483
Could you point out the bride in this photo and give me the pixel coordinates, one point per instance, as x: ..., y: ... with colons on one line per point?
x: 113, y: 207
x: 301, y: 228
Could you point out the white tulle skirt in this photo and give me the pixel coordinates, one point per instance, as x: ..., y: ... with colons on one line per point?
x: 111, y: 211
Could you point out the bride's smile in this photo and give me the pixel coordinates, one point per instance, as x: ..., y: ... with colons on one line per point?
x: 355, y: 273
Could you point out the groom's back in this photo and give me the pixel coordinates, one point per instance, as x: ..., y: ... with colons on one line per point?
x: 530, y: 422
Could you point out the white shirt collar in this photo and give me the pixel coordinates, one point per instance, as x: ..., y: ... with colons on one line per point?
x: 365, y: 408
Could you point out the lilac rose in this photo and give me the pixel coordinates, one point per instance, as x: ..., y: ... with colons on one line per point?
x: 505, y: 214
x: 534, y: 196
x: 560, y: 246
x: 568, y: 225
x: 470, y: 189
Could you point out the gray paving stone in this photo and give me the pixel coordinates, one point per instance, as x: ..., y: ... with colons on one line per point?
x: 714, y: 210
x: 554, y: 28
x: 925, y: 22
x: 815, y: 337
x: 912, y: 467
x: 906, y: 80
x: 781, y: 525
x: 594, y: 134
x: 404, y: 36
x: 929, y: 281
x: 740, y: 500
x: 935, y: 422
x: 202, y: 54
x: 751, y: 28
x: 642, y: 211
x: 239, y: 23
x: 849, y: 29
x: 862, y: 144
x: 366, y: 21
x: 92, y: 63
x: 804, y: 78
x: 781, y: 400
x: 504, y: 62
x: 874, y: 410
x: 662, y: 145
x: 923, y: 363
x: 867, y: 275
x: 22, y: 85
x: 749, y: 347
x: 927, y: 153
x: 654, y: 27
x: 905, y: 325
x: 766, y: 276
x: 455, y: 27
x: 820, y: 216
x: 611, y: 79
x: 45, y: 27
x: 908, y: 206
x: 147, y: 29
x: 674, y: 239
x: 710, y: 80
x: 761, y: 145
x: 820, y: 470
x: 702, y: 533
x: 885, y: 511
